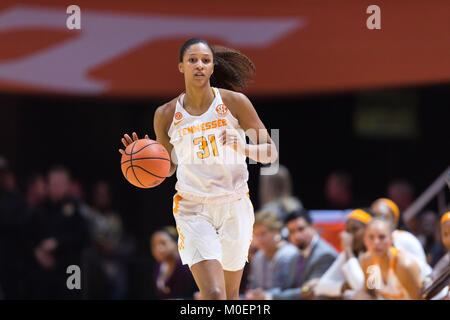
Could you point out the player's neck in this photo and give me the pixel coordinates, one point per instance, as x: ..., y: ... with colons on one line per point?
x: 198, y: 99
x: 383, y: 261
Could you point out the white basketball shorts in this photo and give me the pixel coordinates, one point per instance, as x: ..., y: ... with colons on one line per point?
x: 214, y: 231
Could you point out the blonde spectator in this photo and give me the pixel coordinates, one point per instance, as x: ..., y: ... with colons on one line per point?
x: 402, y: 240
x: 389, y: 273
x: 270, y: 265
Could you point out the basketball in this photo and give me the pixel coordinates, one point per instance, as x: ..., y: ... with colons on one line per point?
x: 145, y: 163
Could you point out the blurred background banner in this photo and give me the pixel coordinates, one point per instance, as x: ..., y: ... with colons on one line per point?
x: 297, y: 46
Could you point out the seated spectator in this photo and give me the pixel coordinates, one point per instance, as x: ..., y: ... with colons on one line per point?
x: 402, y: 240
x: 271, y: 263
x: 389, y: 273
x: 58, y: 233
x: 444, y: 262
x: 345, y: 275
x: 172, y: 279
x: 13, y: 216
x: 401, y: 192
x: 338, y: 191
x: 315, y: 257
x: 245, y: 273
x: 428, y: 233
x: 276, y: 195
x: 36, y: 191
x: 110, y: 245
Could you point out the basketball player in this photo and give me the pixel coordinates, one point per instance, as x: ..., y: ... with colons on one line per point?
x: 402, y: 240
x: 205, y: 127
x: 345, y: 276
x: 389, y: 273
x: 444, y: 262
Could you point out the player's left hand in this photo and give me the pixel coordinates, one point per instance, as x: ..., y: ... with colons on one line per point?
x: 231, y: 138
x: 126, y: 140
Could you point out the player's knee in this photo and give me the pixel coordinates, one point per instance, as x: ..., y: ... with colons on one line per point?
x: 215, y: 293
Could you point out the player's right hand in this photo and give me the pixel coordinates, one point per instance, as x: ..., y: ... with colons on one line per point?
x: 346, y: 240
x: 126, y: 140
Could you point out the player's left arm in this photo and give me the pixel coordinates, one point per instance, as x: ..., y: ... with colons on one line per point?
x: 408, y: 273
x: 263, y: 148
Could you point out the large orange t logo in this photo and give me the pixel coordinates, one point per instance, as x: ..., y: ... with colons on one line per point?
x: 105, y: 36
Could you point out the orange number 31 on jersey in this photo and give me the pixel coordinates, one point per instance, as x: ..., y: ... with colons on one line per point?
x: 203, y: 143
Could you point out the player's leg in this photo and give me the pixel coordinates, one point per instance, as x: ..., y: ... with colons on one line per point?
x: 235, y: 237
x: 199, y: 247
x: 209, y: 277
x: 232, y: 283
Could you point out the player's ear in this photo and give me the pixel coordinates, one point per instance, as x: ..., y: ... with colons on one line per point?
x: 181, y: 67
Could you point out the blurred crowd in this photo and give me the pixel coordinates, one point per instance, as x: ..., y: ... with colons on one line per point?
x: 51, y: 226
x: 54, y: 224
x: 379, y: 255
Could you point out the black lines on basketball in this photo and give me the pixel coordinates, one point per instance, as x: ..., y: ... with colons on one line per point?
x: 146, y: 158
x: 131, y: 164
x: 130, y: 154
x: 136, y: 166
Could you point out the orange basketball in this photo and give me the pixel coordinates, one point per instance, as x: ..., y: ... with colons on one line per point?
x: 145, y: 163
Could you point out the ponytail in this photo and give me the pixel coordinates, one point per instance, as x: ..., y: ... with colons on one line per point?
x: 232, y: 69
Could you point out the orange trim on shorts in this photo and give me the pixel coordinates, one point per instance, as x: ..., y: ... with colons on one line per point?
x: 182, y: 237
x: 247, y: 196
x: 176, y: 200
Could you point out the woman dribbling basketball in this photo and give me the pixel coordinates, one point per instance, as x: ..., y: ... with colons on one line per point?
x: 205, y: 128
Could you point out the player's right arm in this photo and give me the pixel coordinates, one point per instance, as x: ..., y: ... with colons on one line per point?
x: 161, y: 124
x: 364, y: 293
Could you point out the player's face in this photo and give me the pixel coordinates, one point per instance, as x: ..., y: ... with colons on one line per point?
x: 163, y: 247
x: 445, y: 233
x: 356, y: 229
x: 197, y: 65
x: 300, y: 233
x: 378, y: 238
x: 264, y: 238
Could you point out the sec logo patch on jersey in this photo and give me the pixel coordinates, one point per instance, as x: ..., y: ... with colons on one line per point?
x: 178, y: 116
x: 221, y: 110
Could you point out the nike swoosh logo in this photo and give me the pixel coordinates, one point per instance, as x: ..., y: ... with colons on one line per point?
x: 177, y: 122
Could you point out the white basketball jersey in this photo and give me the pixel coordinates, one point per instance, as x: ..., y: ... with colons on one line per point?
x: 207, y: 171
